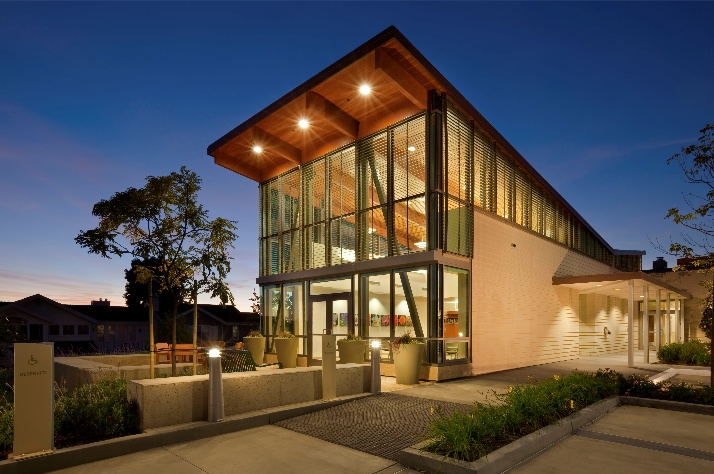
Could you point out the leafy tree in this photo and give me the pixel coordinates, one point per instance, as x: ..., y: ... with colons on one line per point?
x: 697, y: 163
x: 180, y: 249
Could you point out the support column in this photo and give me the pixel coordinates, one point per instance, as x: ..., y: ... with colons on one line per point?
x: 668, y: 322
x: 630, y: 323
x: 681, y: 320
x: 646, y: 325
x: 658, y: 321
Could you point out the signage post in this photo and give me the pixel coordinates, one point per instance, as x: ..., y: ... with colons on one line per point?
x: 329, y: 366
x: 34, y: 400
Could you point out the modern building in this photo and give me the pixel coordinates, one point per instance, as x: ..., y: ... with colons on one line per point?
x: 389, y: 204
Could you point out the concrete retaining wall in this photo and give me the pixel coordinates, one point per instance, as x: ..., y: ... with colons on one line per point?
x: 176, y: 400
x: 74, y: 372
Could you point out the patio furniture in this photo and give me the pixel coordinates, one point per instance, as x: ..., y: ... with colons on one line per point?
x: 240, y: 361
x: 162, y: 352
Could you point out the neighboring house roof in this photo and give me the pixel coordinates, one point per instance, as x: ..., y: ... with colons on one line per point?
x: 21, y: 305
x: 112, y: 313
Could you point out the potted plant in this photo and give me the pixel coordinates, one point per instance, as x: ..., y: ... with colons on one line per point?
x: 255, y: 343
x: 408, y: 352
x: 352, y: 349
x: 286, y: 347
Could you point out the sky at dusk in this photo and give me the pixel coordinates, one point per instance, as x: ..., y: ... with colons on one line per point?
x: 94, y: 97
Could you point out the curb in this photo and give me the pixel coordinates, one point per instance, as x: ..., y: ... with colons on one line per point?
x: 512, y: 454
x: 668, y: 405
x: 164, y: 436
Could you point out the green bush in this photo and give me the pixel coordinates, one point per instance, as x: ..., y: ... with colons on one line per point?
x: 684, y: 353
x: 95, y: 411
x: 520, y: 411
x: 7, y: 421
x: 670, y: 353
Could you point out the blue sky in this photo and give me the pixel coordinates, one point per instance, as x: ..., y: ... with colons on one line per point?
x: 96, y: 96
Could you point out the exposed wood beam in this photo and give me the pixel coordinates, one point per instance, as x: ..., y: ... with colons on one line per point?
x: 328, y: 111
x: 236, y: 165
x: 276, y: 145
x: 400, y: 78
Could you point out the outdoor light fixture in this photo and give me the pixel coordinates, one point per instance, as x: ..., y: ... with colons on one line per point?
x: 411, y: 148
x: 302, y: 123
x: 376, y: 346
x: 364, y: 89
x: 258, y: 149
x: 214, y: 353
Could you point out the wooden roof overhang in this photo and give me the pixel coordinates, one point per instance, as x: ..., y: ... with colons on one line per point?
x: 400, y: 78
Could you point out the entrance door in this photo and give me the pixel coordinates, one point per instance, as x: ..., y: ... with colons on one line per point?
x: 330, y: 314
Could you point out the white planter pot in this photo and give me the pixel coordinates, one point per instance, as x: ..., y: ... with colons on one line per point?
x: 256, y: 346
x: 407, y: 363
x: 286, y: 349
x: 351, y: 352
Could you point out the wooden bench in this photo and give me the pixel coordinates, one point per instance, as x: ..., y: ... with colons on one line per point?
x: 162, y: 351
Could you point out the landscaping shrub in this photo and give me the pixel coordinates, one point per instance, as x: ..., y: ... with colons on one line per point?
x: 7, y: 420
x: 93, y: 412
x: 669, y: 353
x: 518, y: 412
x: 685, y: 353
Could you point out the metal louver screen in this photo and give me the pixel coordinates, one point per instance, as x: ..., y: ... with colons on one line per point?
x: 343, y: 240
x: 504, y: 185
x: 458, y: 170
x: 314, y: 192
x: 483, y: 176
x: 342, y: 182
x: 522, y: 201
x: 409, y: 158
x: 373, y: 162
x: 291, y: 199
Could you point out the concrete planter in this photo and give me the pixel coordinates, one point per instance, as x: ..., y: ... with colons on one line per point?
x: 352, y: 352
x: 407, y: 363
x: 287, y: 349
x: 256, y: 346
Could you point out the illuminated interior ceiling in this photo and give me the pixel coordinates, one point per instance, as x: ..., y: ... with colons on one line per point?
x: 329, y: 110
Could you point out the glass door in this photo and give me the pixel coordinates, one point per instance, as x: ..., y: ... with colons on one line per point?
x: 330, y: 314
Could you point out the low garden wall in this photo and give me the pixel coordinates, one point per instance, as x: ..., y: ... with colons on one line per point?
x: 176, y: 400
x: 73, y: 372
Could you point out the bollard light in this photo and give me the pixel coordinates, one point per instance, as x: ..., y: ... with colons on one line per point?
x: 376, y: 376
x: 215, y: 386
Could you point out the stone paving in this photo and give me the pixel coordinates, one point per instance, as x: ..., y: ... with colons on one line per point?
x: 381, y: 425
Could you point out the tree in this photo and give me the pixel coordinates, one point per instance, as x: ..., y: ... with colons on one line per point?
x: 697, y: 163
x: 180, y: 249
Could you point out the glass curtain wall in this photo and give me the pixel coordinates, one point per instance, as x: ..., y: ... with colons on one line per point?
x: 361, y: 202
x: 283, y: 310
x: 456, y: 314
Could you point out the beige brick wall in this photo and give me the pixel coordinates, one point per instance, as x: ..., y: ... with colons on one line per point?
x: 598, y: 312
x: 518, y: 317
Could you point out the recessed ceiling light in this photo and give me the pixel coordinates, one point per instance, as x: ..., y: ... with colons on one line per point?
x: 411, y: 148
x: 617, y: 289
x: 258, y: 149
x: 364, y: 89
x: 302, y: 123
x: 598, y: 285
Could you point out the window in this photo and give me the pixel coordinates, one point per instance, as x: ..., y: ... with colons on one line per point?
x: 83, y: 329
x: 68, y: 330
x: 54, y: 329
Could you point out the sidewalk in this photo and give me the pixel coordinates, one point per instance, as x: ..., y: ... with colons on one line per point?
x: 269, y: 448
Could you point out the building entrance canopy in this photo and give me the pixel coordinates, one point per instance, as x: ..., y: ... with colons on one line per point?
x: 632, y: 286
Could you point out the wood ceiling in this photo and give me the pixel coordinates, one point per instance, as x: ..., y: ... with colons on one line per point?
x: 336, y: 112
